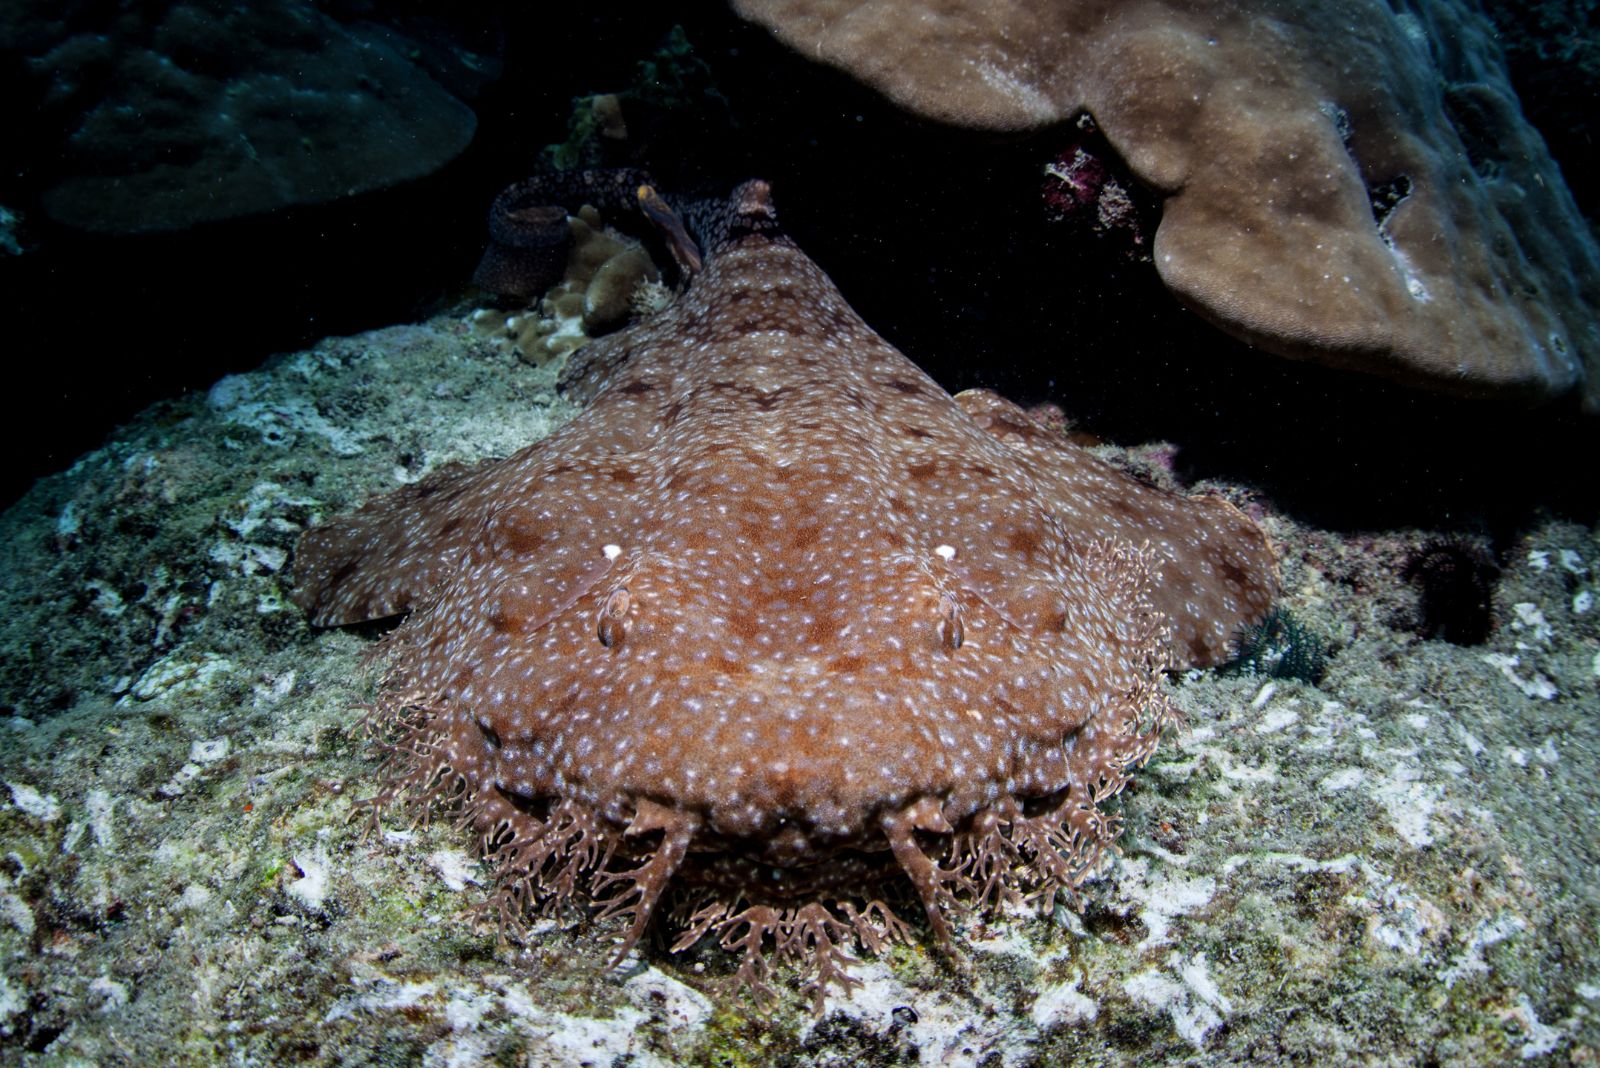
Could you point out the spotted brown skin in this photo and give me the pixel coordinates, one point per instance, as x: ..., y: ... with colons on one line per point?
x: 776, y: 616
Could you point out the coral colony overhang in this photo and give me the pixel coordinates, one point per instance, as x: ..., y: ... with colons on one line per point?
x: 1349, y: 182
x: 776, y: 618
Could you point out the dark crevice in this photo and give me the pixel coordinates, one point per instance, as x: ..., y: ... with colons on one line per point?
x: 1387, y: 196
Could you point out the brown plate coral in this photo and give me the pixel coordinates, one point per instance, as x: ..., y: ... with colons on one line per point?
x: 776, y: 618
x: 1344, y: 181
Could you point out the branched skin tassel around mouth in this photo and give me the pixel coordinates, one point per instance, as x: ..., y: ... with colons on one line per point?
x: 777, y: 623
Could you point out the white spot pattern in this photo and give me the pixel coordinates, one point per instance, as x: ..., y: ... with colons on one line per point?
x: 826, y: 591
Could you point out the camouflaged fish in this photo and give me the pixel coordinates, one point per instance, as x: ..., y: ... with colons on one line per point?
x: 780, y: 630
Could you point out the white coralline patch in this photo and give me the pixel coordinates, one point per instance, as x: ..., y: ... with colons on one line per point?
x: 12, y: 999
x: 201, y: 755
x: 311, y: 889
x: 278, y: 423
x: 945, y: 1031
x: 1400, y: 919
x: 111, y: 994
x: 107, y: 601
x: 1247, y: 773
x: 1487, y: 933
x: 194, y: 898
x: 1008, y: 939
x: 1293, y: 861
x: 31, y: 802
x: 1063, y: 1004
x: 209, y: 750
x: 249, y: 559
x: 273, y: 688
x: 1343, y: 779
x: 1408, y: 802
x: 381, y: 995
x: 1276, y: 720
x: 1396, y: 916
x: 1536, y: 685
x: 1530, y: 620
x: 476, y: 1015
x: 465, y: 1010
x: 14, y: 911
x: 455, y: 868
x: 1162, y: 896
x: 564, y: 1039
x: 69, y: 522
x: 101, y: 806
x: 262, y: 511
x: 1542, y: 1038
x: 681, y: 1007
x: 179, y: 783
x: 179, y: 674
x: 1191, y: 999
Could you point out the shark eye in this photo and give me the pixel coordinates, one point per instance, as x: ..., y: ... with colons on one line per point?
x: 950, y: 621
x: 614, y: 617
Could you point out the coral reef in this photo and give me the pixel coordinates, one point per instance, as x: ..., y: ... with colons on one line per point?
x: 607, y: 279
x: 188, y: 111
x: 1553, y: 50
x: 1347, y: 183
x: 11, y: 228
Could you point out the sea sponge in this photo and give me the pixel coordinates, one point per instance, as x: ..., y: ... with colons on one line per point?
x: 595, y: 294
x: 528, y: 245
x: 1345, y: 181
